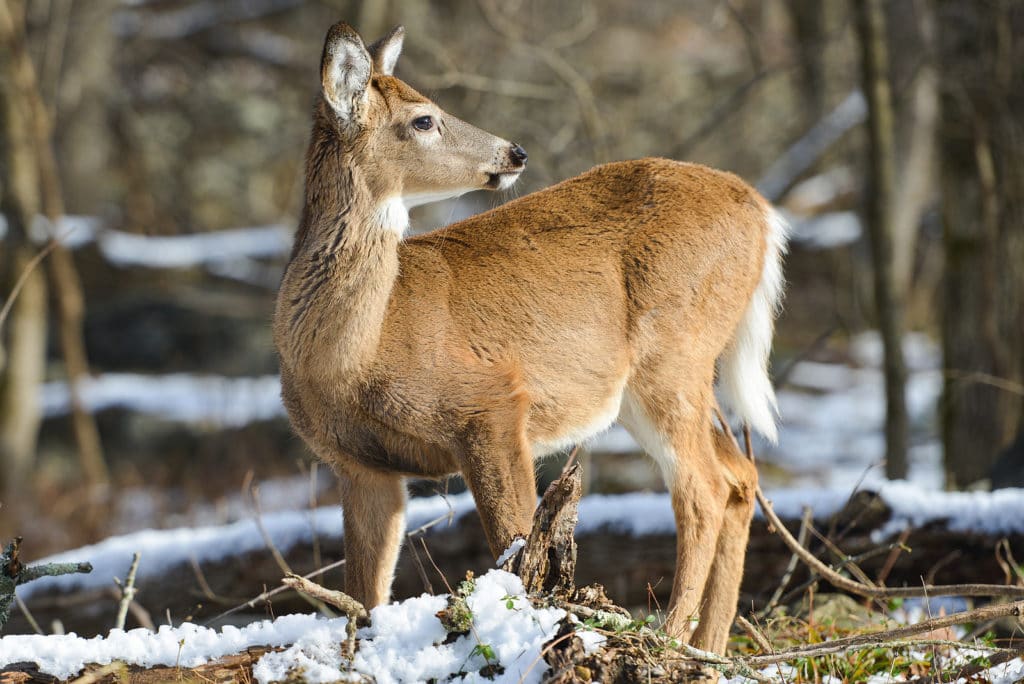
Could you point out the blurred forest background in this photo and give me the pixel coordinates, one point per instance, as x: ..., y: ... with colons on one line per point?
x: 151, y: 170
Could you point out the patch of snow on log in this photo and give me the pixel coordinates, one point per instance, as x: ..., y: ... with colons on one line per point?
x: 206, y: 399
x: 994, y: 513
x: 164, y: 549
x: 182, y: 251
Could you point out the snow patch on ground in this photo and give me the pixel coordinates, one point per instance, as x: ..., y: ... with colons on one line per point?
x: 188, y: 645
x: 404, y: 643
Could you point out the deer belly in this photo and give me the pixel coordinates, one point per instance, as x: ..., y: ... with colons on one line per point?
x: 570, y: 423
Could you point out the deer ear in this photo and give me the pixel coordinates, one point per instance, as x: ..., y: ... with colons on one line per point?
x: 385, y: 51
x: 345, y: 72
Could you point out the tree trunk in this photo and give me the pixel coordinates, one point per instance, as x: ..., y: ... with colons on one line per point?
x: 982, y: 102
x: 67, y: 288
x: 24, y: 333
x: 808, y: 19
x: 917, y: 125
x: 881, y: 184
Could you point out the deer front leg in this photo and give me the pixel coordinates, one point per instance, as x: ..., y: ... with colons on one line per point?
x: 374, y: 508
x: 498, y: 467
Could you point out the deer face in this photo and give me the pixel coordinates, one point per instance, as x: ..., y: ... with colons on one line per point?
x: 412, y: 150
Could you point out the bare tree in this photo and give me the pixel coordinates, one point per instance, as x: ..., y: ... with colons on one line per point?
x: 808, y: 19
x: 880, y: 195
x: 982, y: 100
x: 24, y: 335
x: 30, y: 128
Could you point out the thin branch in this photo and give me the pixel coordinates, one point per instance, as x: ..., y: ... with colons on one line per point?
x: 787, y: 576
x: 263, y: 596
x: 128, y: 592
x: 802, y: 154
x: 338, y: 599
x: 860, y: 589
x: 27, y: 614
x: 757, y: 635
x: 26, y: 272
x: 562, y: 68
x: 282, y: 564
x: 891, y: 638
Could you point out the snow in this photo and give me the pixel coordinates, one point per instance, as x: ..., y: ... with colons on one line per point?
x: 996, y: 513
x: 207, y: 399
x: 156, y: 251
x: 181, y: 251
x: 1010, y: 672
x: 517, y: 544
x: 404, y: 642
x: 187, y: 645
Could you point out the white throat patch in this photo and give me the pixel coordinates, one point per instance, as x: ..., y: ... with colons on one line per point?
x: 392, y: 215
x: 418, y: 198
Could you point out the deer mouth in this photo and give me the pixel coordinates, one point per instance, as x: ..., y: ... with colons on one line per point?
x: 502, y: 180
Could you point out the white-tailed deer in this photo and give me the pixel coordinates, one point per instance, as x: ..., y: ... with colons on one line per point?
x: 482, y: 346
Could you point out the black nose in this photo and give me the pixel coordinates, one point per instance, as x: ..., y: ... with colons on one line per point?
x: 517, y: 153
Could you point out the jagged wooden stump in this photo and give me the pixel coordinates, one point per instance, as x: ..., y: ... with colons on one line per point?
x: 547, y: 563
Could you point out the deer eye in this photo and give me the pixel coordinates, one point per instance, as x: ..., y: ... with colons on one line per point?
x: 423, y: 123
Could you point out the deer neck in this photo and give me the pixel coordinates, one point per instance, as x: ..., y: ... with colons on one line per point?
x: 336, y: 287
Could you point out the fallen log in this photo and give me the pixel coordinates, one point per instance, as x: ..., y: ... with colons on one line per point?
x: 636, y: 570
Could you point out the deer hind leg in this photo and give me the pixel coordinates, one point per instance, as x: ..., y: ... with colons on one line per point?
x: 675, y: 430
x: 721, y: 593
x: 374, y: 507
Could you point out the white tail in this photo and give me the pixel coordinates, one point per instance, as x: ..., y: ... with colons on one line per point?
x: 745, y: 385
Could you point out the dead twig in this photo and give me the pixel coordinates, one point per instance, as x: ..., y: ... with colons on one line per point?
x: 116, y: 669
x: 861, y: 589
x: 787, y: 576
x: 25, y: 273
x: 263, y: 596
x: 28, y: 615
x: 892, y: 638
x: 338, y: 599
x: 282, y: 564
x: 757, y: 635
x: 353, y: 609
x: 128, y: 592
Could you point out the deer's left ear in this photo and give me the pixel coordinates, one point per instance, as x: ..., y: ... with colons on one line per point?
x: 385, y: 51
